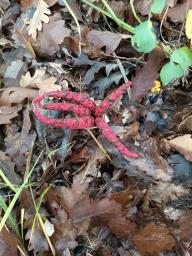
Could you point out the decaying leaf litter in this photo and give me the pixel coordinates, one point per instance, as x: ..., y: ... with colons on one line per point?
x: 71, y: 192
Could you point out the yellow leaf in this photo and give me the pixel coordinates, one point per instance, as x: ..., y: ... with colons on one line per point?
x: 188, y: 24
x: 39, y: 16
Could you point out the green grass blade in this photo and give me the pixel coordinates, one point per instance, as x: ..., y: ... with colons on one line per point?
x: 10, y: 217
x: 8, y: 183
x: 16, y: 196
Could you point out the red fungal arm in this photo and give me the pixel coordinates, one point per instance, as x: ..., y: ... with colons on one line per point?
x: 86, y: 113
x: 108, y: 133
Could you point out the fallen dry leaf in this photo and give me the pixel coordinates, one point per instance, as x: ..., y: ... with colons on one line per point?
x: 65, y: 233
x: 119, y: 8
x: 7, y: 113
x: 19, y: 144
x: 38, y: 242
x: 88, y: 208
x: 178, y: 12
x: 185, y: 222
x: 4, y: 4
x: 106, y: 211
x: 8, y: 243
x: 39, y: 16
x: 13, y: 73
x: 71, y: 196
x: 8, y: 168
x: 100, y: 39
x: 153, y: 240
x: 94, y: 157
x: 51, y: 36
x: 40, y: 80
x: 143, y: 6
x: 183, y: 145
x: 145, y: 77
x: 121, y: 226
x: 16, y: 95
x: 163, y: 192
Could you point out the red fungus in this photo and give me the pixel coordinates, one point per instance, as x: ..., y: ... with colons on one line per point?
x: 86, y: 113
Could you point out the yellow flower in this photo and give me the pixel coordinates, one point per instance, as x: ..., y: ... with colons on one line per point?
x: 157, y: 87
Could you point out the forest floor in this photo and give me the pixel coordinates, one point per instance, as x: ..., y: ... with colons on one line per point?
x: 68, y: 185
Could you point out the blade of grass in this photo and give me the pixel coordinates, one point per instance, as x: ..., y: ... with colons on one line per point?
x: 99, y: 144
x: 10, y: 217
x: 38, y: 216
x: 8, y: 183
x: 22, y: 223
x: 17, y: 194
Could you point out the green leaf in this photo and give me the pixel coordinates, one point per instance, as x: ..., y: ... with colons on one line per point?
x: 144, y: 39
x: 183, y: 57
x: 170, y: 72
x: 158, y: 6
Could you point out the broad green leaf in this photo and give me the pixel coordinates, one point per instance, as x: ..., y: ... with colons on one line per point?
x: 188, y: 24
x: 144, y: 39
x: 158, y: 6
x: 170, y: 72
x: 183, y: 57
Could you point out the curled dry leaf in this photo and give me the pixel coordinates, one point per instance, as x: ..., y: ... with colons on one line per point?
x: 153, y: 240
x: 40, y: 80
x: 7, y: 113
x: 183, y: 145
x: 145, y: 77
x: 39, y: 16
x: 16, y: 95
